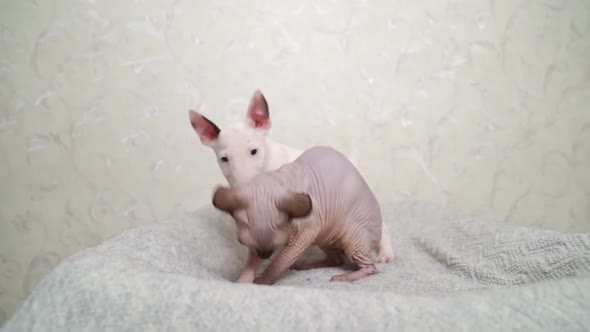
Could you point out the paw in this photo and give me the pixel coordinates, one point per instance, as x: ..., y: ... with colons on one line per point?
x: 385, y: 259
x: 242, y: 280
x: 245, y: 278
x: 260, y: 281
x: 338, y: 278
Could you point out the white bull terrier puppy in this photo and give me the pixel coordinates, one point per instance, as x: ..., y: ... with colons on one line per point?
x: 243, y: 151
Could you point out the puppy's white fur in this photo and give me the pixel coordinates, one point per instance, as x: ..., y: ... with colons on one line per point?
x: 243, y: 150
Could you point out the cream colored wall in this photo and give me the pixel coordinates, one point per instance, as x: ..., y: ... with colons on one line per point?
x: 479, y: 105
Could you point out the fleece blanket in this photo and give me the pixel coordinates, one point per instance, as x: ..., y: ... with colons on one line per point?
x: 451, y: 273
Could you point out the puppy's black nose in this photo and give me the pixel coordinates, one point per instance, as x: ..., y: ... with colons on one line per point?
x: 264, y: 254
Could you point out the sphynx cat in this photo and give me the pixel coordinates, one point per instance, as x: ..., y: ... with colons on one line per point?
x: 243, y: 150
x: 320, y: 199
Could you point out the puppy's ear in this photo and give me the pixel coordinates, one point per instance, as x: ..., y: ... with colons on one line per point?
x: 227, y: 199
x: 296, y: 205
x: 258, y: 115
x: 205, y: 128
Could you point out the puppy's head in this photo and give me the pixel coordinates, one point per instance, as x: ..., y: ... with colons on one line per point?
x: 240, y: 149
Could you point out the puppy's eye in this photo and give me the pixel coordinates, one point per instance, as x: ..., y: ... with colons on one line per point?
x: 224, y: 159
x: 253, y: 151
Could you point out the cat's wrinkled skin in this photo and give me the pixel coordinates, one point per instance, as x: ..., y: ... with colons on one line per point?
x: 319, y: 199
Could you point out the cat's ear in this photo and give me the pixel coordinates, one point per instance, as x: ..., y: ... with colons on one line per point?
x: 296, y: 205
x: 227, y: 199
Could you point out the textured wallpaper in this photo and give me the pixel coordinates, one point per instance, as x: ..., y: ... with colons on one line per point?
x: 482, y: 106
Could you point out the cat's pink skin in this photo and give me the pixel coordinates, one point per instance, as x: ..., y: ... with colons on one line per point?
x: 319, y: 199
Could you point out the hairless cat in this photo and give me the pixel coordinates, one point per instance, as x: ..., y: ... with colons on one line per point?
x: 319, y: 199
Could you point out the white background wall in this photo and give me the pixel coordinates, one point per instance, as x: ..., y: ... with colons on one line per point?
x: 483, y: 106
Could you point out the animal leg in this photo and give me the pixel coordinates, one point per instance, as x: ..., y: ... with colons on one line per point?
x: 332, y: 259
x: 360, y: 255
x: 249, y: 272
x: 294, y: 249
x: 385, y: 249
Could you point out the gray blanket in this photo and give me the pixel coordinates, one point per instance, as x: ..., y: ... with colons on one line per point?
x: 451, y: 273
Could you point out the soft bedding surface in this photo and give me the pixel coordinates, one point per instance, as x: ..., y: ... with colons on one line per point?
x: 451, y: 273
